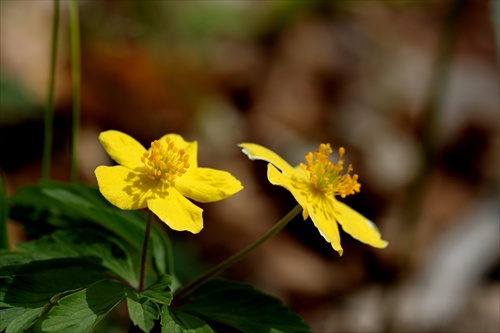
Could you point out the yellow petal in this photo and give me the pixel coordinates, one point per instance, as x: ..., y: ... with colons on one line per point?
x: 277, y: 178
x: 123, y: 149
x: 358, y: 226
x: 189, y: 147
x: 257, y: 152
x: 124, y: 188
x: 321, y: 212
x: 207, y: 185
x: 176, y: 211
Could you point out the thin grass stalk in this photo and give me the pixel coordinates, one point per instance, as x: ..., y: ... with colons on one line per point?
x: 74, y: 26
x: 49, y: 108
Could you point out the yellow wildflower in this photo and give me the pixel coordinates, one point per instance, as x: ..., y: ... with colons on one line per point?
x: 161, y: 178
x: 314, y: 185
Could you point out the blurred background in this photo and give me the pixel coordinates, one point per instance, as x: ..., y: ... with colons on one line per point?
x: 409, y: 88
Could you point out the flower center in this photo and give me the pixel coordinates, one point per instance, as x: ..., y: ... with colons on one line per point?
x: 165, y: 162
x: 325, y: 177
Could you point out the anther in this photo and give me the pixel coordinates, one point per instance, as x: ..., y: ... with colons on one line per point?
x: 164, y: 161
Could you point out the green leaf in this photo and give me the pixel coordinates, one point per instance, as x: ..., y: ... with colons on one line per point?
x: 85, y: 243
x: 81, y: 311
x: 9, y: 314
x: 47, y: 206
x: 35, y: 284
x: 160, y: 291
x: 129, y: 225
x: 27, y: 286
x: 143, y: 308
x: 142, y: 311
x: 11, y: 261
x: 242, y: 307
x: 66, y: 205
x: 159, y: 248
x: 18, y: 319
x: 178, y: 322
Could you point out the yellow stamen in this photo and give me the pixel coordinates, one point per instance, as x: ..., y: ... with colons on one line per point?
x: 165, y: 162
x: 325, y: 177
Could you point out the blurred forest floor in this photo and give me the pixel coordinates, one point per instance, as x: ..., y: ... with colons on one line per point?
x: 409, y: 88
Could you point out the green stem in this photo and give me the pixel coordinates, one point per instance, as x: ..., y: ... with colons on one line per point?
x: 145, y: 246
x: 236, y: 257
x: 49, y: 109
x: 75, y: 74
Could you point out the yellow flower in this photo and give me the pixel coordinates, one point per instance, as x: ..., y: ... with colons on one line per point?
x: 161, y: 178
x: 314, y: 185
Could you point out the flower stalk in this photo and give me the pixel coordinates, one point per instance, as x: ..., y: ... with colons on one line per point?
x: 238, y: 256
x: 145, y: 245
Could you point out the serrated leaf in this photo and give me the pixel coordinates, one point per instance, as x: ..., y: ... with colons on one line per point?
x: 160, y: 291
x: 179, y: 322
x: 243, y: 307
x: 143, y: 308
x: 84, y: 243
x: 142, y: 311
x: 81, y: 311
